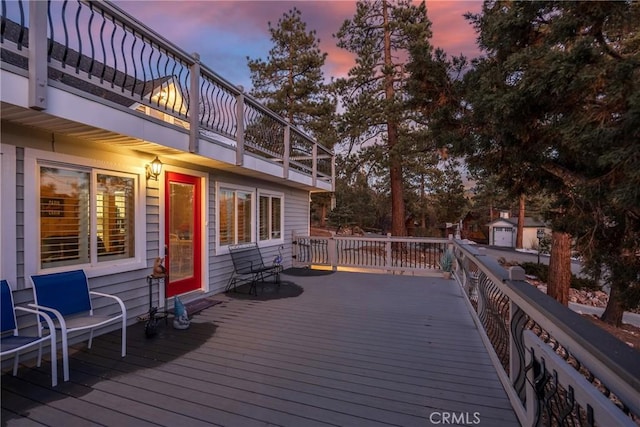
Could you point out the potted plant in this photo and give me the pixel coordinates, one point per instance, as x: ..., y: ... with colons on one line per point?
x: 446, y: 264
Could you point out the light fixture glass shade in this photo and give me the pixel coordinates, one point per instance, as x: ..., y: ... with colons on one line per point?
x: 156, y: 167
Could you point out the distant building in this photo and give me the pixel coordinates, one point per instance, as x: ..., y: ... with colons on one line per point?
x: 502, y: 232
x: 474, y: 228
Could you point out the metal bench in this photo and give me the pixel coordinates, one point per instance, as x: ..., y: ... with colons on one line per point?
x: 249, y: 266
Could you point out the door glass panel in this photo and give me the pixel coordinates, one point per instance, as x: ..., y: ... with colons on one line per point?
x: 181, y: 229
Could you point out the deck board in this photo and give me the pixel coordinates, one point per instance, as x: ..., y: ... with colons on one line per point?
x: 353, y: 349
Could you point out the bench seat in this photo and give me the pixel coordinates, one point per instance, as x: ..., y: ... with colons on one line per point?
x: 249, y: 266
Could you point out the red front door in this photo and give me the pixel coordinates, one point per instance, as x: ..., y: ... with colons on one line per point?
x: 183, y: 226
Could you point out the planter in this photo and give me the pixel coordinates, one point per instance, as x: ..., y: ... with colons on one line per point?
x: 446, y: 264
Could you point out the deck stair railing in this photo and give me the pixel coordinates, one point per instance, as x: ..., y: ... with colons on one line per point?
x: 96, y: 48
x: 558, y: 368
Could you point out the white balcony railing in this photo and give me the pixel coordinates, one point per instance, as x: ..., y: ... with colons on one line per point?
x: 96, y: 48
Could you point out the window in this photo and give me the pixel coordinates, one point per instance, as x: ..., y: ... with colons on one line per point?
x: 270, y: 217
x: 235, y: 216
x: 86, y: 216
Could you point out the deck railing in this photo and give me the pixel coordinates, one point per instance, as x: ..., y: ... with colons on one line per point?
x: 391, y: 254
x: 95, y: 47
x: 558, y: 368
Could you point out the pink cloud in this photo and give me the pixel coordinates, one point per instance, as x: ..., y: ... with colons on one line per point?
x: 450, y: 30
x: 240, y: 28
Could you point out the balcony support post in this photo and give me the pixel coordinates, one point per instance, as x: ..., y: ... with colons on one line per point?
x: 194, y: 104
x: 240, y: 130
x: 38, y: 81
x: 314, y: 164
x: 333, y: 173
x: 287, y: 151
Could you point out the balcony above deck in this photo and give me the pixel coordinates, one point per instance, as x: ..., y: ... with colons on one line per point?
x: 91, y: 72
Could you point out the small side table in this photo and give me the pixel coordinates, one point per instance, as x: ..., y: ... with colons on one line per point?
x: 155, y: 313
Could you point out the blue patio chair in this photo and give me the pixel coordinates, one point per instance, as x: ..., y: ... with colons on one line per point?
x: 66, y: 296
x: 12, y: 342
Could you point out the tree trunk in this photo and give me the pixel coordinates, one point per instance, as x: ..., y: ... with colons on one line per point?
x: 323, y: 214
x: 520, y: 231
x: 395, y: 164
x: 614, y: 310
x: 560, y: 267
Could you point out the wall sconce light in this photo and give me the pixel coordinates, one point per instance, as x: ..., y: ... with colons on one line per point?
x: 153, y: 169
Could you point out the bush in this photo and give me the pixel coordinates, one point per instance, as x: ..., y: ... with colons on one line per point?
x: 541, y: 271
x: 584, y: 283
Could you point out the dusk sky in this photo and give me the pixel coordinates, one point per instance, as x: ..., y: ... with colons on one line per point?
x: 224, y: 33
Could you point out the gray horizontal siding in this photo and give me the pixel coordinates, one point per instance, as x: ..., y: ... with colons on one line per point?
x: 131, y: 286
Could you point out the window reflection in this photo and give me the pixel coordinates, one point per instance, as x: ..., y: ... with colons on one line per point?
x: 66, y: 211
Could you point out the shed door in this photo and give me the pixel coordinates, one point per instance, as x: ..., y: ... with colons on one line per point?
x: 183, y: 230
x: 503, y: 236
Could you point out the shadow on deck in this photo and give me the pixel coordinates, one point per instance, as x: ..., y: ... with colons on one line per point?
x: 353, y: 349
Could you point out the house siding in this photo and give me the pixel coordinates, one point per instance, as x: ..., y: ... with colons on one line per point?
x: 19, y: 217
x: 131, y: 285
x: 80, y: 119
x: 296, y: 218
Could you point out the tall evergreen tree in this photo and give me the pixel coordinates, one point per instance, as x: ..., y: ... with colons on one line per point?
x: 374, y: 94
x: 291, y: 81
x: 561, y: 84
x: 448, y: 192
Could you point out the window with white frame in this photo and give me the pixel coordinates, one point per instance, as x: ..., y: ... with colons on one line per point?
x: 235, y: 215
x: 86, y: 215
x: 270, y: 211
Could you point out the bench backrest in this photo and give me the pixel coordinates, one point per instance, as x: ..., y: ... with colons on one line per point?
x: 7, y: 313
x: 67, y: 292
x: 246, y: 257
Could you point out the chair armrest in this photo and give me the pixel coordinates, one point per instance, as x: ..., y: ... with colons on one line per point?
x: 39, y: 310
x: 46, y: 317
x: 123, y: 308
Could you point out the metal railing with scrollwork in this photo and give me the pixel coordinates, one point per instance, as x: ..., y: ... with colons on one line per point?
x: 558, y: 368
x: 96, y: 48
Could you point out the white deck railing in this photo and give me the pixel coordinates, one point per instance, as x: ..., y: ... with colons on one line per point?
x: 391, y: 254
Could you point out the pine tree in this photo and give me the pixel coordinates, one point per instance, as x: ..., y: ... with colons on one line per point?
x: 291, y: 81
x: 374, y: 94
x: 559, y: 94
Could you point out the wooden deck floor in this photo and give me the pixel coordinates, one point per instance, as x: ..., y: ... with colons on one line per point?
x: 352, y: 350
